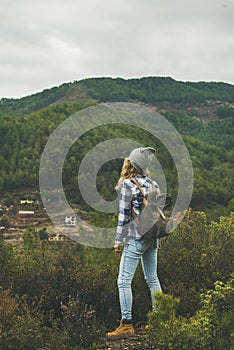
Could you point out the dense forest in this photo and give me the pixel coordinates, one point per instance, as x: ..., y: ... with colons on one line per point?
x: 23, y: 139
x: 63, y: 296
x: 24, y: 136
x: 150, y: 90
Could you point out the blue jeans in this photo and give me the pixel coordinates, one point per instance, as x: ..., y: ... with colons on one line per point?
x: 146, y: 250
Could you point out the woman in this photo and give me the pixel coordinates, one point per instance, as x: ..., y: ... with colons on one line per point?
x: 136, y: 247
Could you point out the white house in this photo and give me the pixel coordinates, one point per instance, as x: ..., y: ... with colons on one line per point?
x: 70, y: 220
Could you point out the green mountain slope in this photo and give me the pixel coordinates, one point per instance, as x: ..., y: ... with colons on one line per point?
x: 25, y: 125
x: 69, y: 92
x: 149, y: 90
x: 157, y: 89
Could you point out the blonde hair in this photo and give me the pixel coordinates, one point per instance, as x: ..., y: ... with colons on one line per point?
x: 128, y: 172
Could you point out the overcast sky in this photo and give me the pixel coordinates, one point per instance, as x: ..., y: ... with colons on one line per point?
x: 45, y: 43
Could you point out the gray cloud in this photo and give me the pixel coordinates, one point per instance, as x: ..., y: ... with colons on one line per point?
x: 47, y: 43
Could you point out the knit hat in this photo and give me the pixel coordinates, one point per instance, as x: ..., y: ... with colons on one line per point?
x: 141, y: 157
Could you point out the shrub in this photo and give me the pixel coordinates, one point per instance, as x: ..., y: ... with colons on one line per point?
x: 194, y: 256
x: 80, y: 323
x: 210, y: 328
x: 24, y: 328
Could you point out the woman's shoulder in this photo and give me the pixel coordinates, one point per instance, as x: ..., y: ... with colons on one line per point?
x: 127, y: 183
x: 143, y: 181
x: 146, y: 181
x: 148, y: 184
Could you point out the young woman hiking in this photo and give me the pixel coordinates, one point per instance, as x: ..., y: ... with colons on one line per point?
x: 136, y: 247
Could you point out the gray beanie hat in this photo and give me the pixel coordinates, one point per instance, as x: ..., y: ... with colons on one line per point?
x: 141, y: 157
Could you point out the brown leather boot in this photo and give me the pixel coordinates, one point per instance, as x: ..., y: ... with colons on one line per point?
x: 125, y: 330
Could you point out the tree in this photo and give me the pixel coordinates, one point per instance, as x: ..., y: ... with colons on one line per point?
x: 30, y: 239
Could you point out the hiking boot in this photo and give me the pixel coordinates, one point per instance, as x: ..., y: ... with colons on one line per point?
x: 125, y: 330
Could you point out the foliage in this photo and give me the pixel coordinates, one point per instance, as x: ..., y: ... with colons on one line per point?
x: 225, y: 112
x: 210, y: 328
x: 33, y: 102
x: 43, y: 309
x: 150, y: 90
x: 23, y: 138
x: 209, y: 133
x: 63, y: 296
x: 24, y: 328
x: 4, y: 222
x: 79, y: 321
x: 194, y: 256
x: 157, y: 89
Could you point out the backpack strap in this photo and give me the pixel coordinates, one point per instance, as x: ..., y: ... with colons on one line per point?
x: 145, y: 202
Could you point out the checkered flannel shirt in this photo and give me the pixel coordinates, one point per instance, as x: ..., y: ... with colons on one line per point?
x: 131, y: 197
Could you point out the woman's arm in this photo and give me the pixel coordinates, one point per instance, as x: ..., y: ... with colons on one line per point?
x: 124, y: 216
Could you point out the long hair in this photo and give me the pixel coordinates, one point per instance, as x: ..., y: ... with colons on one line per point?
x: 128, y: 172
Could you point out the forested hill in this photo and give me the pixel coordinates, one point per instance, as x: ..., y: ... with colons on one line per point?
x: 55, y: 294
x: 161, y: 91
x: 201, y: 112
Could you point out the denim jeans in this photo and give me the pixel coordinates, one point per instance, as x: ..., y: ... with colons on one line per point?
x: 134, y: 250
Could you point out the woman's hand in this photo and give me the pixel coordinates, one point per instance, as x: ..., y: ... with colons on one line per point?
x: 117, y: 248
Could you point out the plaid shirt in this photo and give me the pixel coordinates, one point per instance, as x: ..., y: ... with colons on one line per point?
x: 130, y: 198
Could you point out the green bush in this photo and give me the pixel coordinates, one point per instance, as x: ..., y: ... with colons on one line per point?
x: 194, y: 256
x: 23, y: 327
x: 80, y: 323
x: 212, y: 326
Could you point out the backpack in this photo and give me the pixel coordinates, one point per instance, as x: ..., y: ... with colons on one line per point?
x: 154, y: 220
